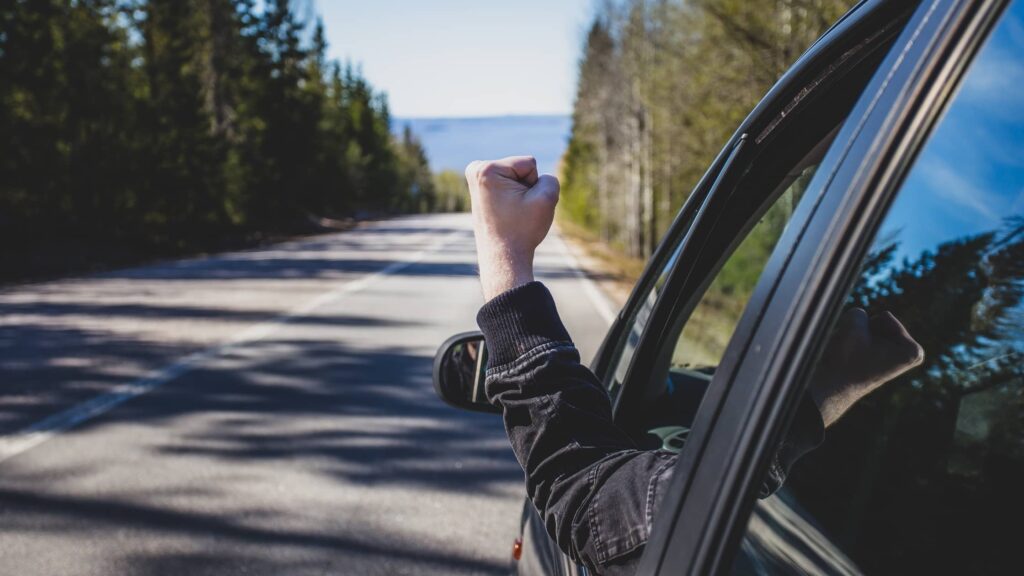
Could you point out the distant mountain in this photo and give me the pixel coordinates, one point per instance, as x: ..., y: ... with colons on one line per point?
x: 451, y: 143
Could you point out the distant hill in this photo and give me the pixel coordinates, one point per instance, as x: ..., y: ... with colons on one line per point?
x: 451, y: 143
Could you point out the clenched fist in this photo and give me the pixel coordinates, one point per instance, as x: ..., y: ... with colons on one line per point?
x: 513, y: 208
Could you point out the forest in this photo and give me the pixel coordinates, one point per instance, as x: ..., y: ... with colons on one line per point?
x: 171, y: 126
x: 662, y: 85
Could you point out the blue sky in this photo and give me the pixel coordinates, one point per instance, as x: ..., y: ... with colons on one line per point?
x: 448, y: 58
x: 970, y: 175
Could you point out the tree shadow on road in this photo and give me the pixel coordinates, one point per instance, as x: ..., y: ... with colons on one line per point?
x: 364, y: 418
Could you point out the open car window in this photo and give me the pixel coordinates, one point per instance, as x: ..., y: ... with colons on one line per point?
x: 702, y: 342
x: 749, y: 220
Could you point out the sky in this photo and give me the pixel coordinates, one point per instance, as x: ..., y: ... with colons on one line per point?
x: 970, y: 175
x: 457, y: 58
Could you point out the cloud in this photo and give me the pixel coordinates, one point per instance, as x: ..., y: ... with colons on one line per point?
x: 995, y: 78
x: 951, y: 185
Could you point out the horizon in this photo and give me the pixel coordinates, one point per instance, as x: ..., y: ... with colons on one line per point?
x: 452, y: 143
x: 397, y: 117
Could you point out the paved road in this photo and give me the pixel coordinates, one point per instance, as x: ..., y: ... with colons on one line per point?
x: 260, y: 412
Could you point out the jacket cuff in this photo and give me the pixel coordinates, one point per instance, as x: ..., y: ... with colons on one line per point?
x: 518, y: 321
x: 805, y: 434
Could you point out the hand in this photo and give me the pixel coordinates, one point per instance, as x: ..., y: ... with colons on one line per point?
x: 862, y: 354
x: 513, y: 208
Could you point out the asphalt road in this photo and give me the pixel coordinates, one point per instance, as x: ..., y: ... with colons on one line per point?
x: 260, y: 412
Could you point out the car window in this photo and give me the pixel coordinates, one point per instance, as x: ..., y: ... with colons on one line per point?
x: 741, y: 224
x: 705, y: 335
x: 925, y: 474
x: 701, y: 340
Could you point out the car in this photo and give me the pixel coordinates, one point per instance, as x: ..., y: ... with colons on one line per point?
x: 884, y: 171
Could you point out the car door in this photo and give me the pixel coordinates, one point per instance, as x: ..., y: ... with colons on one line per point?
x: 856, y: 249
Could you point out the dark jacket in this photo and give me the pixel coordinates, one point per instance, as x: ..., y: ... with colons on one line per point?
x: 596, y: 492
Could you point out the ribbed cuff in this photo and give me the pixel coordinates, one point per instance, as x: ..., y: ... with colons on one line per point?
x: 518, y: 321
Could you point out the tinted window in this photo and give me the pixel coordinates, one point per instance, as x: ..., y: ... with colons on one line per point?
x: 925, y: 474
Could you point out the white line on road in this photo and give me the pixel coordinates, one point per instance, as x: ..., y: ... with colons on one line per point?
x: 601, y: 302
x: 35, y: 434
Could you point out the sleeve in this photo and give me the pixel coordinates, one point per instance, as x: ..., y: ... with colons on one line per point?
x: 596, y: 493
x: 806, y: 433
x: 594, y: 490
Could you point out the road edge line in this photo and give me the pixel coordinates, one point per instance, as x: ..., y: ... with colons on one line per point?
x: 601, y: 302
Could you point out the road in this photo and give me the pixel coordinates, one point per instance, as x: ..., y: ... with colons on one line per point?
x: 261, y: 412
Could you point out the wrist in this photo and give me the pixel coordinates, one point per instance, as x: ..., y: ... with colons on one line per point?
x: 504, y: 269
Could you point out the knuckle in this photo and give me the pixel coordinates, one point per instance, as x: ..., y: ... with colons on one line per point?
x: 488, y: 170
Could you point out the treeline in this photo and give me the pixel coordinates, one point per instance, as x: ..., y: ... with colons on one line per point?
x: 171, y: 123
x: 662, y: 86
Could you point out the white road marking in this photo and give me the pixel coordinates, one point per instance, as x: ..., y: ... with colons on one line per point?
x: 601, y: 302
x: 31, y: 436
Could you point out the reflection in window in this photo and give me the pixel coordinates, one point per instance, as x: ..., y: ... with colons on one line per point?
x: 926, y: 475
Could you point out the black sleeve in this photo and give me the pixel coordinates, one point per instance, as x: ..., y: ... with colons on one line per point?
x: 594, y: 490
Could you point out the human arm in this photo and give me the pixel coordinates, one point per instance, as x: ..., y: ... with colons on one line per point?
x: 594, y: 490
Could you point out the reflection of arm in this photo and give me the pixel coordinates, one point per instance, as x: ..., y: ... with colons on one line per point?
x: 862, y: 354
x: 804, y: 435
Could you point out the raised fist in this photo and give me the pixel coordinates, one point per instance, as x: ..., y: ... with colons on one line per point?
x: 513, y: 208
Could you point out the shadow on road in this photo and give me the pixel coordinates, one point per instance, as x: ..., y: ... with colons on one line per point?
x: 306, y: 268
x: 364, y: 418
x: 354, y: 416
x: 64, y: 513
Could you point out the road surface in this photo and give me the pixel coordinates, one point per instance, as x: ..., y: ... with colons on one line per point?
x: 261, y: 412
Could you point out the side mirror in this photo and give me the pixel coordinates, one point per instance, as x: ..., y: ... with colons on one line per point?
x: 459, y: 368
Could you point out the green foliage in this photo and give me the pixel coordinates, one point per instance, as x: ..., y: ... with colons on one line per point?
x: 662, y: 85
x: 452, y: 192
x: 173, y: 123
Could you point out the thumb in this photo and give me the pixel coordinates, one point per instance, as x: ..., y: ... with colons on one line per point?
x: 546, y: 189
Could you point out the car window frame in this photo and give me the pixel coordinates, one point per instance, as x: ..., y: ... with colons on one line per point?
x: 606, y: 359
x: 682, y: 289
x: 802, y: 288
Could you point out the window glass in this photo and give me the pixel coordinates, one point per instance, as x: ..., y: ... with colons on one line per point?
x: 677, y: 391
x: 923, y: 473
x: 705, y: 335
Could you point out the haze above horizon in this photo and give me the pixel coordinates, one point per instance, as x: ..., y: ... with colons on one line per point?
x: 460, y: 58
